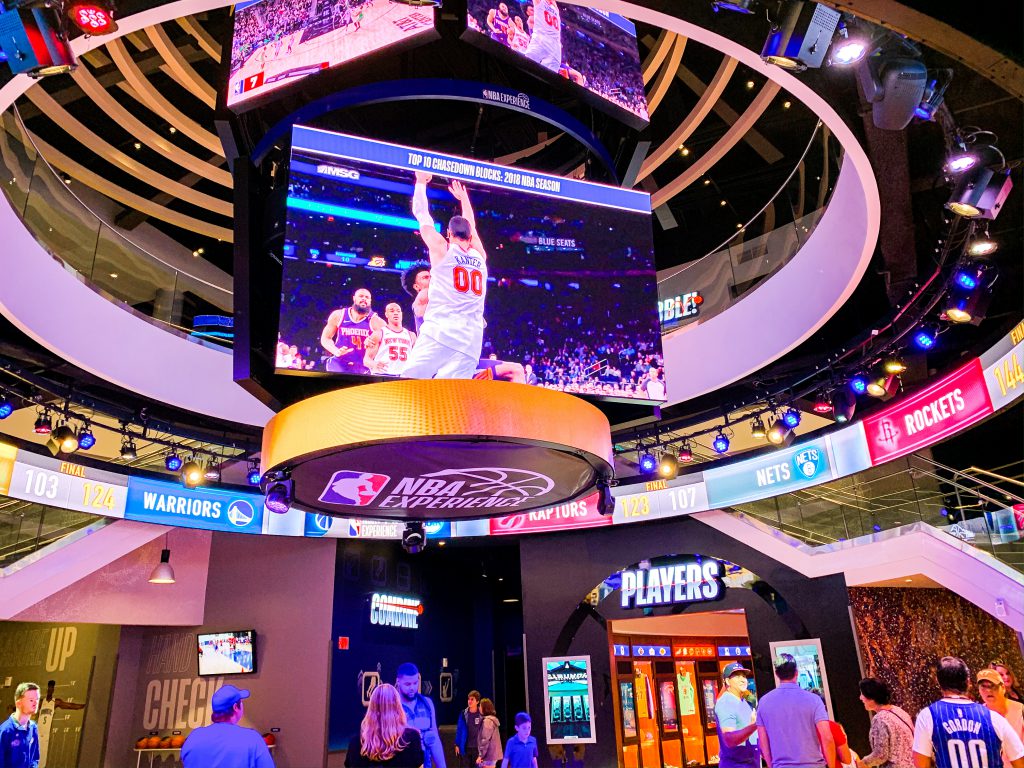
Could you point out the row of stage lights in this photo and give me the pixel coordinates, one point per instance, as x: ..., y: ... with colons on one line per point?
x: 65, y: 440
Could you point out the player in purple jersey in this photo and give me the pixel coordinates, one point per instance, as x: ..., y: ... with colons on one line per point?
x: 497, y: 22
x: 346, y: 332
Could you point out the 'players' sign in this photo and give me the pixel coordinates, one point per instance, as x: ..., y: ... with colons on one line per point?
x: 402, y: 262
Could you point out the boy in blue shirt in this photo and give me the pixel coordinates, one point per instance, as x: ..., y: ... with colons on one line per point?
x: 19, y: 736
x: 521, y: 750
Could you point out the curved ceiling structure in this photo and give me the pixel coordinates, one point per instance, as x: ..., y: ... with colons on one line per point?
x: 664, y: 68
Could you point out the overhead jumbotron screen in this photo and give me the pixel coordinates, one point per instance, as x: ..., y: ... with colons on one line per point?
x: 404, y: 262
x: 594, y: 49
x: 278, y: 42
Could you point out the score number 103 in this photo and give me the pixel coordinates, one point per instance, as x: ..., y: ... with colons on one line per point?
x: 683, y: 499
x: 46, y: 485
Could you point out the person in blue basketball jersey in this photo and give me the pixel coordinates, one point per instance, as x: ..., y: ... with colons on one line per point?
x: 956, y: 732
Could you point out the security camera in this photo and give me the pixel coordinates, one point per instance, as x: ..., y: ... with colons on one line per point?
x: 414, y: 537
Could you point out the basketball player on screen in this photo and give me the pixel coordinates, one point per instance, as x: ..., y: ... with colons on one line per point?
x: 546, y: 35
x: 387, y: 349
x: 452, y: 334
x: 415, y: 281
x: 346, y: 332
x: 497, y: 22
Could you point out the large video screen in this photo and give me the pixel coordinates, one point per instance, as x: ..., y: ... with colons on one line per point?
x: 594, y: 49
x: 405, y: 262
x: 277, y: 42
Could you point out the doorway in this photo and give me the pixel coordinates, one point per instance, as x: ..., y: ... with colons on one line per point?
x: 668, y: 674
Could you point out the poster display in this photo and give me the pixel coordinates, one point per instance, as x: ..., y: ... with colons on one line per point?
x: 667, y: 697
x: 628, y: 710
x: 810, y: 666
x: 569, y: 700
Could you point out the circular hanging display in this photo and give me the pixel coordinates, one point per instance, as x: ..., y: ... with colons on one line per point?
x: 437, y: 449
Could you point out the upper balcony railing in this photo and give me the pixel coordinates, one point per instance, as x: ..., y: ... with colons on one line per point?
x: 981, y: 509
x: 760, y: 247
x: 108, y: 260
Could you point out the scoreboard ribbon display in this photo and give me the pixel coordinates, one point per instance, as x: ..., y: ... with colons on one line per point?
x: 66, y: 484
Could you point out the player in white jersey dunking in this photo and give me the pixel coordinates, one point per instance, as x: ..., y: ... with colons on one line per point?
x: 48, y: 707
x: 546, y: 35
x: 452, y: 333
x: 387, y: 349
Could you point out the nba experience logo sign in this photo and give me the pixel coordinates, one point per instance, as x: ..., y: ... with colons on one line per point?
x: 477, y: 487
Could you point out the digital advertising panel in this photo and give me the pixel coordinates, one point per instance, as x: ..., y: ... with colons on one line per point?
x: 593, y: 49
x: 939, y: 410
x: 408, y: 263
x: 279, y: 42
x: 214, y: 509
x: 778, y: 472
x: 810, y: 665
x: 569, y: 700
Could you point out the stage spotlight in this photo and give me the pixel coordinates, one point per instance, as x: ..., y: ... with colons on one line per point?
x: 128, y: 449
x: 253, y: 475
x: 925, y: 336
x: 757, y: 430
x: 980, y: 193
x: 685, y: 453
x: 883, y: 387
x: 934, y: 92
x: 781, y: 435
x: 605, y: 500
x: 414, y: 537
x: 43, y: 425
x: 279, y: 491
x: 844, y: 403
x: 668, y: 466
x: 6, y: 408
x: 791, y: 418
x: 821, y: 405
x: 191, y: 474
x: 801, y: 36
x: 971, y: 292
x: 736, y: 6
x: 173, y: 462
x: 212, y: 474
x: 982, y: 246
x: 86, y: 439
x: 894, y: 87
x: 893, y: 365
x: 721, y: 443
x: 62, y: 440
x: 961, y: 162
x: 647, y: 463
x: 858, y: 385
x: 32, y: 39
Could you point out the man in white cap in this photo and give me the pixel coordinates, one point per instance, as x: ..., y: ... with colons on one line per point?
x: 224, y: 743
x: 737, y: 728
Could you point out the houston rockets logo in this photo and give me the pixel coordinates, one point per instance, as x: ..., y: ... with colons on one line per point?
x: 354, y: 489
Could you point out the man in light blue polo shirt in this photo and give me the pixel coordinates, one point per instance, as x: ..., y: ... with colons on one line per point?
x: 735, y: 717
x: 792, y: 724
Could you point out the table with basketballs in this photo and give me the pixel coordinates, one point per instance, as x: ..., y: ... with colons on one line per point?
x: 164, y: 747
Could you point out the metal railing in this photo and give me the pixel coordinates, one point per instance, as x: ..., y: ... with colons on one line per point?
x: 914, y: 489
x: 761, y: 246
x: 26, y: 528
x: 107, y: 259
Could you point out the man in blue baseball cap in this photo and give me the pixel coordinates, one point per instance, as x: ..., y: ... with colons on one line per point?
x: 737, y: 729
x: 224, y: 743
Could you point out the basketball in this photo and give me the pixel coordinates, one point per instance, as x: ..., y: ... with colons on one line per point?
x: 177, y: 741
x: 153, y: 742
x: 270, y: 738
x: 165, y: 742
x: 141, y: 743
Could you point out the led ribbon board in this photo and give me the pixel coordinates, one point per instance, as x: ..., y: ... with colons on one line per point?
x: 393, y: 611
x: 689, y: 581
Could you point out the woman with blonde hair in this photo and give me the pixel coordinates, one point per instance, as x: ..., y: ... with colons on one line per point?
x: 384, y: 736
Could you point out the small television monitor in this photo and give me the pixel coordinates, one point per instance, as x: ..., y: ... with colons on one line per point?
x: 551, y: 284
x: 590, y: 48
x: 227, y: 653
x: 279, y: 42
